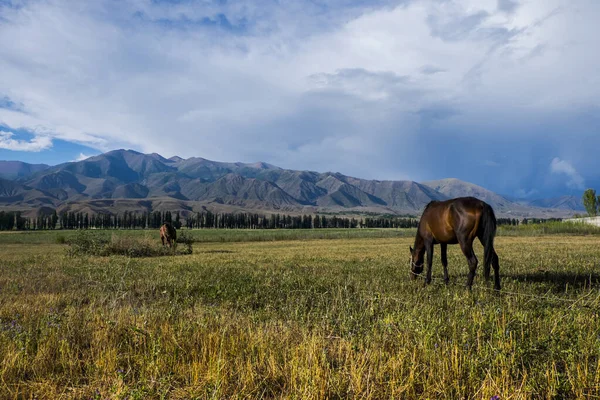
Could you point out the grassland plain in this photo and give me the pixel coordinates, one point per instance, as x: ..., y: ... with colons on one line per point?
x: 274, y: 318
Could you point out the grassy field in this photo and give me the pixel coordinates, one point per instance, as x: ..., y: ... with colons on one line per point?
x: 209, y: 235
x: 267, y: 235
x: 258, y: 315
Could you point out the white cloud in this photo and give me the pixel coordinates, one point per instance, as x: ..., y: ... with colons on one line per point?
x: 562, y: 167
x: 36, y: 144
x: 81, y: 157
x: 342, y: 87
x: 491, y: 163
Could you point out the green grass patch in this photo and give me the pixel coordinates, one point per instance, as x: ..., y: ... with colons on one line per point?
x: 269, y: 235
x: 206, y: 235
x: 92, y: 243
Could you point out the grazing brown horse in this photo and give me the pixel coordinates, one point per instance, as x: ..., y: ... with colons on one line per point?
x: 455, y: 221
x: 168, y: 234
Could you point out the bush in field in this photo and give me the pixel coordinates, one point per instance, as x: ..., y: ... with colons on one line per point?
x: 60, y: 239
x: 185, y: 241
x: 87, y: 243
x: 94, y: 244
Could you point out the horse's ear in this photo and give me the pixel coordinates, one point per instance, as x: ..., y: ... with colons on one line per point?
x: 411, y: 249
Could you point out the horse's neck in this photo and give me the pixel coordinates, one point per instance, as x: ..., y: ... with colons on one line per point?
x: 419, y: 243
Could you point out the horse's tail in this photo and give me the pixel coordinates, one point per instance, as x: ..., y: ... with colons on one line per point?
x: 488, y: 231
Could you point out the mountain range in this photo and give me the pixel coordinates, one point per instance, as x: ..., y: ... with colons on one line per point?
x: 128, y: 180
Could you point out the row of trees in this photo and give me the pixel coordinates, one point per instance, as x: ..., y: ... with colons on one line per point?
x: 12, y: 220
x: 209, y: 220
x: 127, y: 220
x: 200, y: 220
x: 273, y: 221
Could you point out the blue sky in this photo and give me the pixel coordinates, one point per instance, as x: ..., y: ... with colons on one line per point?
x: 502, y: 93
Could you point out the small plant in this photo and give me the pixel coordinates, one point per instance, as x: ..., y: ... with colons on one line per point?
x: 61, y: 239
x: 92, y: 244
x: 186, y: 242
x: 86, y: 242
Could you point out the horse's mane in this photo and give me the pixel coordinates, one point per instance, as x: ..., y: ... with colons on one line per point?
x: 429, y: 204
x: 425, y: 209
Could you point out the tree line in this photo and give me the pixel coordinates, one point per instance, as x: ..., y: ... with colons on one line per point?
x: 201, y: 220
x: 14, y: 220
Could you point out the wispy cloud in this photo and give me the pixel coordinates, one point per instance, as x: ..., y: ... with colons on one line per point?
x: 296, y: 82
x: 508, y: 6
x: 491, y: 163
x: 36, y: 144
x: 81, y: 157
x: 562, y: 167
x: 430, y: 69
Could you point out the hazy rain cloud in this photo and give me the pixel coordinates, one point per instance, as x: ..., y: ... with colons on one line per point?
x: 385, y: 89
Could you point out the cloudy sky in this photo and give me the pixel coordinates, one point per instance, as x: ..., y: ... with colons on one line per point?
x: 502, y: 93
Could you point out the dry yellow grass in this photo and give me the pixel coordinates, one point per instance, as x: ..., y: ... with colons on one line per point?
x: 299, y: 319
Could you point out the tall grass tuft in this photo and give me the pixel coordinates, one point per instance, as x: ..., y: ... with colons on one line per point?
x: 95, y: 244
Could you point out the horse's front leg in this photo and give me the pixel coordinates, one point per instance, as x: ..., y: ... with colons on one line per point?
x: 444, y: 249
x: 429, y: 249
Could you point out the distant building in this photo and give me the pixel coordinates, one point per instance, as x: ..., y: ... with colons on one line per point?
x: 589, y: 220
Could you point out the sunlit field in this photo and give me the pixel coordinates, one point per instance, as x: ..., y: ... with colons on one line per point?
x: 305, y: 314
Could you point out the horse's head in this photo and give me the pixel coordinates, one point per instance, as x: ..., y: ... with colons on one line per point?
x: 416, y: 262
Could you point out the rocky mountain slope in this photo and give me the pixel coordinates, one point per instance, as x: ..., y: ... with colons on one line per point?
x: 129, y: 180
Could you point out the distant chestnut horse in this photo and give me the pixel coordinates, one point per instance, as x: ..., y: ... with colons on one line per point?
x: 455, y: 221
x: 168, y: 234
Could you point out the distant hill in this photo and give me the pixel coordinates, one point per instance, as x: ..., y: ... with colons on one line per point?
x: 128, y: 180
x: 19, y: 169
x: 453, y: 187
x: 571, y: 203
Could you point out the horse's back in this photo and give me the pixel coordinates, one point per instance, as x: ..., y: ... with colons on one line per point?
x: 446, y: 220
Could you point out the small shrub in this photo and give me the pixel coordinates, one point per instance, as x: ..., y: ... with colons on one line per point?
x: 61, y: 239
x: 185, y: 241
x: 88, y: 243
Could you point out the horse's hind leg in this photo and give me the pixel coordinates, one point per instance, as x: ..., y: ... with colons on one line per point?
x: 496, y: 266
x: 486, y: 266
x: 486, y: 271
x: 444, y: 249
x: 162, y: 239
x: 467, y: 249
